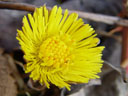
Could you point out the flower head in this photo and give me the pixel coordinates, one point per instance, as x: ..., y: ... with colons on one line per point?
x: 59, y: 49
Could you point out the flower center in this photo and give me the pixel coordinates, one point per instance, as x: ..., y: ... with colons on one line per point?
x: 54, y: 52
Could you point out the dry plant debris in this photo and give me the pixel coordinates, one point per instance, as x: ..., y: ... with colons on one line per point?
x: 7, y: 82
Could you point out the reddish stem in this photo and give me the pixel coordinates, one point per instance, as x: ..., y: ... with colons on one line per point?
x: 124, y: 62
x: 125, y: 48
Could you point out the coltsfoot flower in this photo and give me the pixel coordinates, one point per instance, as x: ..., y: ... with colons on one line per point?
x: 59, y: 49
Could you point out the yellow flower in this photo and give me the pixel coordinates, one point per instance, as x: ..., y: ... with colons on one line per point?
x: 59, y: 49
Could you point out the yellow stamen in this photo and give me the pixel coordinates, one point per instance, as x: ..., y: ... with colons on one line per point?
x: 54, y: 52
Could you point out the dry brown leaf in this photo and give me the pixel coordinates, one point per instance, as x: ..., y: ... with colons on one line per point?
x: 7, y: 82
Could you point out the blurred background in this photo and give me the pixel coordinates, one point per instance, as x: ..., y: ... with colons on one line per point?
x: 13, y: 80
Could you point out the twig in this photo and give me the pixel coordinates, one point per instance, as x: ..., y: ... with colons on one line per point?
x: 17, y: 6
x: 105, y: 34
x: 117, y: 29
x: 90, y: 16
x: 6, y: 0
x: 102, y: 18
